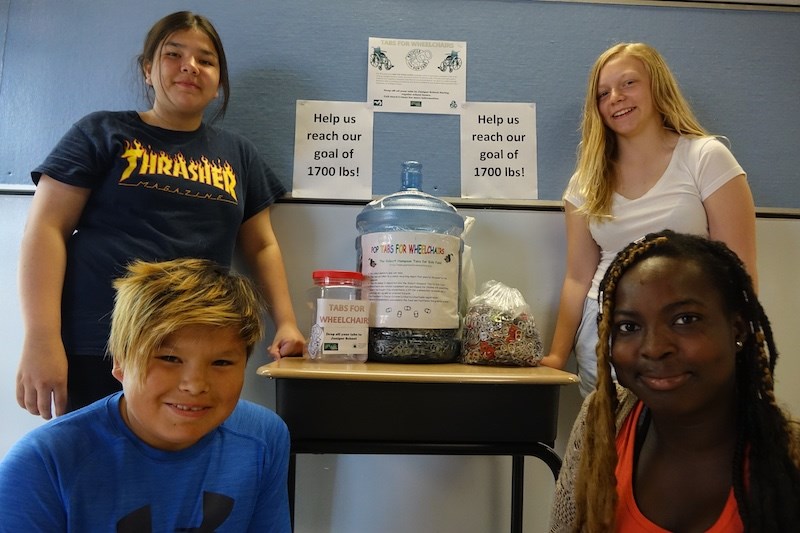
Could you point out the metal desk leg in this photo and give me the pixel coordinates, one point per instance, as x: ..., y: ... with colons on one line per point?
x: 550, y: 458
x: 290, y: 482
x: 517, y: 481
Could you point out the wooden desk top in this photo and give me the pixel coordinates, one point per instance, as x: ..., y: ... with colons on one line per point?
x: 301, y: 368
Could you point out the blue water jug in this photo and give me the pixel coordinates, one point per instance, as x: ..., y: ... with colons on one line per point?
x: 409, y: 249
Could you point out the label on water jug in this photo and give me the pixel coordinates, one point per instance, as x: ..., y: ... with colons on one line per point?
x: 413, y: 279
x: 341, y: 327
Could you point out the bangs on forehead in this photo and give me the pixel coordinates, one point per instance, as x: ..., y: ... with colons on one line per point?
x: 171, y: 40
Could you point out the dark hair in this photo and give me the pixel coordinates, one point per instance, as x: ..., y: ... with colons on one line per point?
x: 768, y: 500
x: 186, y: 20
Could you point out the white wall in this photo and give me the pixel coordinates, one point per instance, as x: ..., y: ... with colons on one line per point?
x: 398, y: 494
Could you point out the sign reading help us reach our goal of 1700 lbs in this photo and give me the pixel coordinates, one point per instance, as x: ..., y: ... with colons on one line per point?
x: 498, y: 150
x: 332, y: 150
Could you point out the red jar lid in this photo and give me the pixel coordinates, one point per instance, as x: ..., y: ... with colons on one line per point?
x: 319, y: 275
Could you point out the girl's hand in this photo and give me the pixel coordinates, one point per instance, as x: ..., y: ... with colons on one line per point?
x: 42, y: 377
x: 288, y: 341
x: 553, y: 361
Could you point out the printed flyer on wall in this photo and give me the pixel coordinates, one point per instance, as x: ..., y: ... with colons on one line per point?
x: 416, y: 76
x: 413, y: 279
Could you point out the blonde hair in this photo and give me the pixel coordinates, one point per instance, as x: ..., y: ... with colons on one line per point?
x: 153, y: 300
x: 597, y: 150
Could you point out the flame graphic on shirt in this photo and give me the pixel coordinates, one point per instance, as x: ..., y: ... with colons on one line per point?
x: 146, y: 162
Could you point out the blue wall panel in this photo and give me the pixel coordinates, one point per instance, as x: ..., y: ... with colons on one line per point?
x: 739, y: 68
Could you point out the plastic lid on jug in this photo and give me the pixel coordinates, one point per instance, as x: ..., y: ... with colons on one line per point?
x: 410, y: 209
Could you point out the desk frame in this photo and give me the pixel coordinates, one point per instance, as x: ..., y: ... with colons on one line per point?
x: 357, y: 412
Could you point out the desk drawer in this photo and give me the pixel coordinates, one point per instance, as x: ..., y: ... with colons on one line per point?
x: 418, y: 412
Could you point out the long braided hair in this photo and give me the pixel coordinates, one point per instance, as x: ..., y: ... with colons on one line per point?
x: 768, y: 490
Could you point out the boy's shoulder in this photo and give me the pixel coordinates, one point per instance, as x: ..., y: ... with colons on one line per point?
x: 256, y: 421
x: 70, y: 438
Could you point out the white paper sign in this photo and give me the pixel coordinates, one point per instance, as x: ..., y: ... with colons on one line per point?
x: 498, y: 150
x: 342, y: 328
x: 416, y: 76
x: 332, y: 150
x: 413, y: 279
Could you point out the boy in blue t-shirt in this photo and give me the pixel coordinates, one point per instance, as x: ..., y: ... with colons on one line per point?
x: 176, y: 450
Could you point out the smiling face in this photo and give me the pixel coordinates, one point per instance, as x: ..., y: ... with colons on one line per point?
x: 673, y: 344
x: 192, y: 384
x: 185, y: 76
x: 624, y: 98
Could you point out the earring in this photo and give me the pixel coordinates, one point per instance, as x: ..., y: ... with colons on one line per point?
x: 739, y: 344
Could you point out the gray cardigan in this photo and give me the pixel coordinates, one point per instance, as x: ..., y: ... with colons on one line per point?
x: 562, y: 517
